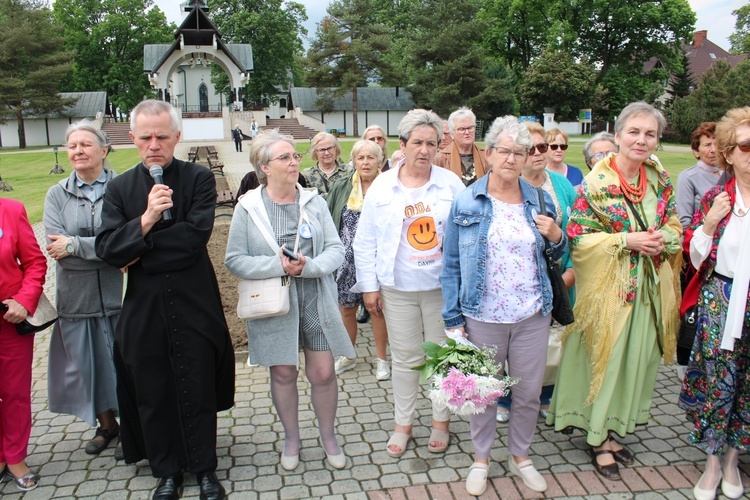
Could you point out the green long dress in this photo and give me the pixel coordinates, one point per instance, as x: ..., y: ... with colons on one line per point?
x: 624, y: 399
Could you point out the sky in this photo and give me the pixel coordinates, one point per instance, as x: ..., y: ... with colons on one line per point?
x: 713, y: 15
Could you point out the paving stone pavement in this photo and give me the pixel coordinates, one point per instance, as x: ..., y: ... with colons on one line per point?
x: 250, y: 439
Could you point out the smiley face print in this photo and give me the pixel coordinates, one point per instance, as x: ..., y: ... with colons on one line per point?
x: 422, y: 234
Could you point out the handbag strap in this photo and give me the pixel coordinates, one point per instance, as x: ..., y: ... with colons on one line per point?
x: 540, y: 194
x: 636, y: 214
x: 244, y: 201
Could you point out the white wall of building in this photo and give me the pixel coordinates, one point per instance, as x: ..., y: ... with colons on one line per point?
x: 36, y: 131
x: 203, y: 129
x: 192, y: 78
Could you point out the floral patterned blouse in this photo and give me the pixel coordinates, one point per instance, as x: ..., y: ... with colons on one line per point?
x: 512, y: 290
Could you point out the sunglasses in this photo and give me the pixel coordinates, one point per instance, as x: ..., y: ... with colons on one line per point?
x: 554, y: 147
x: 743, y: 146
x: 541, y: 147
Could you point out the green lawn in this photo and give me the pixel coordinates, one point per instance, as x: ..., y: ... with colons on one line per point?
x: 28, y: 173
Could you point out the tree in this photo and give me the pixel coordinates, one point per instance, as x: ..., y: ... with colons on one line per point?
x: 517, y: 30
x: 681, y: 82
x: 740, y: 39
x: 626, y: 34
x: 108, y: 37
x: 451, y: 67
x: 722, y: 88
x: 32, y: 62
x: 273, y: 28
x: 348, y: 50
x: 557, y: 81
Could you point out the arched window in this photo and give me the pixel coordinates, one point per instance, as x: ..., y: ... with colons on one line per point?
x: 203, y: 97
x: 282, y: 103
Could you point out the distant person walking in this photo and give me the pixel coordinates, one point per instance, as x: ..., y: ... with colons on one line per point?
x: 254, y: 128
x: 237, y: 138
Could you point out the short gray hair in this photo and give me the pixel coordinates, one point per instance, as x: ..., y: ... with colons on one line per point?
x: 319, y: 137
x: 260, y: 150
x: 462, y: 112
x: 640, y: 108
x: 508, y: 126
x: 601, y: 136
x: 88, y: 126
x: 419, y: 118
x: 385, y: 136
x: 153, y: 107
x: 371, y: 145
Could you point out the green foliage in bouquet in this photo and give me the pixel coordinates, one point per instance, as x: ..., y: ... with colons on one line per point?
x: 466, y: 358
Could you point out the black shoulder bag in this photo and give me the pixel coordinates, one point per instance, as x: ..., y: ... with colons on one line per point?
x: 562, y: 311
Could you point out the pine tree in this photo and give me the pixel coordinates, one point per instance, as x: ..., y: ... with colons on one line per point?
x: 32, y: 62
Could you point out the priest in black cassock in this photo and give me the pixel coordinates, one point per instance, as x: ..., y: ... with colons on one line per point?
x: 173, y: 353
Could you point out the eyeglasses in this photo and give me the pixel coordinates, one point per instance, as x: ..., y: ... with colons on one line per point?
x: 466, y: 130
x: 743, y: 146
x: 287, y: 158
x: 554, y: 147
x: 541, y: 147
x: 329, y: 149
x: 518, y: 155
x: 599, y: 156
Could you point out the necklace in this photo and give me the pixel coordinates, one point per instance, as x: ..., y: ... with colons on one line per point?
x: 738, y: 215
x: 633, y: 193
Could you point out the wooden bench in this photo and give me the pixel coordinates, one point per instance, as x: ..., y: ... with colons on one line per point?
x: 225, y: 199
x: 193, y: 154
x: 212, y: 153
x: 215, y: 166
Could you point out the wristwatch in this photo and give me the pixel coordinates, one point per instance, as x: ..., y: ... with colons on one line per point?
x: 70, y: 247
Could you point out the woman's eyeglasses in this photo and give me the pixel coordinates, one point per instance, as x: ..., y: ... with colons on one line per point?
x: 743, y: 146
x: 287, y: 158
x: 329, y: 149
x: 554, y: 147
x: 520, y: 156
x: 599, y: 156
x: 541, y: 147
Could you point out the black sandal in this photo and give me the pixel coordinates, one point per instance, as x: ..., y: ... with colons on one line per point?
x: 94, y: 447
x: 609, y: 471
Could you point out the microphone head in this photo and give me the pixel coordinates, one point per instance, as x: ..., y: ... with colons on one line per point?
x: 155, y: 170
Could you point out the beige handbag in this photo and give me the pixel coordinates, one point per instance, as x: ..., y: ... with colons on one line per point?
x: 268, y: 297
x: 43, y: 317
x: 554, y: 353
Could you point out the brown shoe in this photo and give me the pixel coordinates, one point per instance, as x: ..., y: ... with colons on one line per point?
x: 609, y: 471
x: 623, y: 456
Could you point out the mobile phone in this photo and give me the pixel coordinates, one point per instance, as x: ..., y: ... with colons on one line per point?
x: 3, y: 307
x: 289, y: 253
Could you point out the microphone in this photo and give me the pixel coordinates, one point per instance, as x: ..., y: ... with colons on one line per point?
x: 156, y: 173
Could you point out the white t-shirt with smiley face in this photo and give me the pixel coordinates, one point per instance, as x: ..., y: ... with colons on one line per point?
x: 419, y: 260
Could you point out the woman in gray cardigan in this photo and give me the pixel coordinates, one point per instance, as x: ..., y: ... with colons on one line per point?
x: 285, y: 210
x: 81, y: 371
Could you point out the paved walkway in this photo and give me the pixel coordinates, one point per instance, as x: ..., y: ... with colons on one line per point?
x: 250, y: 440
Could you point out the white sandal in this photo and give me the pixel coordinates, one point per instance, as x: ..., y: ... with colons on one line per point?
x: 476, y: 481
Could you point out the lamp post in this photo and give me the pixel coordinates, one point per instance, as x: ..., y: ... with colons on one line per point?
x: 57, y: 169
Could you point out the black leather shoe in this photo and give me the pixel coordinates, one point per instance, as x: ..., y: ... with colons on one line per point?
x: 624, y: 456
x: 169, y: 488
x: 609, y: 471
x: 211, y: 488
x: 363, y: 315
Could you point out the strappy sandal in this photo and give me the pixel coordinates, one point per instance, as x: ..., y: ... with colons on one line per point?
x: 439, y: 436
x: 399, y: 439
x: 24, y: 481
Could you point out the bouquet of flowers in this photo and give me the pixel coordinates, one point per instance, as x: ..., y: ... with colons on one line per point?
x: 464, y: 376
